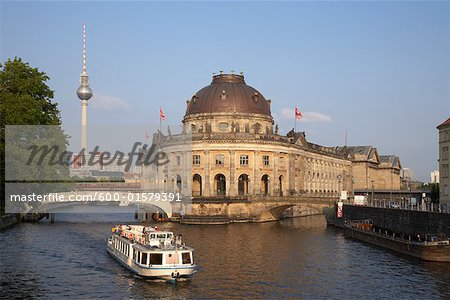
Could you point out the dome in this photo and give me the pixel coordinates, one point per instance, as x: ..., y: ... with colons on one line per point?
x: 228, y: 93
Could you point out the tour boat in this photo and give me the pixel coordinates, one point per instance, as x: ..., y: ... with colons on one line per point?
x: 151, y: 253
x: 431, y: 247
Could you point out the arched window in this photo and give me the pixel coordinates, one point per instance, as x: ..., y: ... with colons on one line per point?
x: 281, y: 179
x: 197, y: 185
x: 243, y: 184
x: 265, y: 185
x: 220, y: 184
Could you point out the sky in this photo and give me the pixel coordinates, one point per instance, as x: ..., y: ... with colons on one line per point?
x: 378, y: 70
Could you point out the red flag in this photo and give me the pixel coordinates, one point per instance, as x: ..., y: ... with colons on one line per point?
x: 298, y: 114
x: 162, y: 116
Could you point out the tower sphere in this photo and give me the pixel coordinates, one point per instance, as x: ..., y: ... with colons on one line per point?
x: 84, y: 92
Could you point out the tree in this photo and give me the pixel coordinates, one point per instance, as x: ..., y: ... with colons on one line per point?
x: 434, y: 192
x: 25, y: 99
x: 433, y: 188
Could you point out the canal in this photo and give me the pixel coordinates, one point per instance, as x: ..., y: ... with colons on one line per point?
x: 293, y: 258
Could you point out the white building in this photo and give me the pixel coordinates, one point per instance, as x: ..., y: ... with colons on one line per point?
x: 435, y: 176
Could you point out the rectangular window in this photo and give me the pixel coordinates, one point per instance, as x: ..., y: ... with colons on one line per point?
x: 445, y: 190
x: 444, y: 171
x: 444, y: 153
x: 195, y: 159
x: 220, y: 160
x: 243, y: 160
x: 266, y: 161
x: 281, y: 160
x: 178, y: 160
x: 186, y: 258
x: 156, y: 258
x: 144, y: 258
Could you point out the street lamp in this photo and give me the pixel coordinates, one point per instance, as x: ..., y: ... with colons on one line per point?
x: 409, y: 195
x: 373, y: 187
x: 353, y: 188
x: 339, y: 178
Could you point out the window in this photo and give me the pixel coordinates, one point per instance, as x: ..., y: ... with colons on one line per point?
x: 144, y: 258
x: 156, y: 258
x: 444, y: 171
x: 243, y: 160
x: 266, y: 160
x: 186, y: 258
x: 445, y: 190
x: 223, y: 126
x: 195, y: 159
x: 178, y: 160
x: 220, y: 159
x: 444, y: 153
x: 161, y: 236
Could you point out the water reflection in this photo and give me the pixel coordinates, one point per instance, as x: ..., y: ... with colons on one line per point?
x: 297, y: 258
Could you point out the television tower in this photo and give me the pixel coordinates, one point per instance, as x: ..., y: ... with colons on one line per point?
x: 84, y: 93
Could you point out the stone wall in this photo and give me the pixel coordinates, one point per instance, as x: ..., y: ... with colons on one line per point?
x: 409, y: 222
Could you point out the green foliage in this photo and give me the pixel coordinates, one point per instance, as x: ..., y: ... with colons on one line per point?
x: 434, y: 190
x: 25, y: 99
x: 434, y: 194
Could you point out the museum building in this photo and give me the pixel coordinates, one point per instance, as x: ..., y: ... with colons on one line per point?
x: 238, y: 152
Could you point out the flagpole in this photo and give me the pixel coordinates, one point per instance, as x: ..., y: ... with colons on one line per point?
x: 295, y: 122
x: 160, y: 120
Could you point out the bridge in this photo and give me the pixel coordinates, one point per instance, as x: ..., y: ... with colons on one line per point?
x: 194, y: 210
x: 109, y: 198
x: 224, y: 210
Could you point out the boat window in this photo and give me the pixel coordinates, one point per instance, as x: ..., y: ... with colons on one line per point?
x: 186, y: 258
x: 169, y: 235
x: 144, y: 258
x: 152, y: 236
x: 156, y: 258
x: 161, y: 236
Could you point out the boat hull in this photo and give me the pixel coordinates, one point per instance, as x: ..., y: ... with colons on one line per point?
x: 438, y: 253
x: 165, y: 272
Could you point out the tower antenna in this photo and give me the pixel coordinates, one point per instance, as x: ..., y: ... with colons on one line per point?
x: 84, y: 93
x: 84, y: 49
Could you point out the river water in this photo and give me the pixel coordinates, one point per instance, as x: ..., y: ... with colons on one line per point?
x: 295, y: 258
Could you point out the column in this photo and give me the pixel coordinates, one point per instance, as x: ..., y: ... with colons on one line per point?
x: 206, y: 183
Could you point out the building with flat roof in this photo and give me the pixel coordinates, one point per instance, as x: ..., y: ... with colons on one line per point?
x: 434, y: 176
x: 444, y: 161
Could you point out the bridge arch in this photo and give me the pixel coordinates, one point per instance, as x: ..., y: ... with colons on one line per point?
x: 273, y: 213
x: 123, y: 199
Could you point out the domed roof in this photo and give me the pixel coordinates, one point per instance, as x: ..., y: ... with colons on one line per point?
x: 228, y: 93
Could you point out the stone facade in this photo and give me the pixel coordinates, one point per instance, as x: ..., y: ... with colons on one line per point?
x: 444, y: 162
x: 372, y: 171
x: 236, y: 153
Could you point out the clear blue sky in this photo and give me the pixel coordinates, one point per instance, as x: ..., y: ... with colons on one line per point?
x: 381, y: 70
